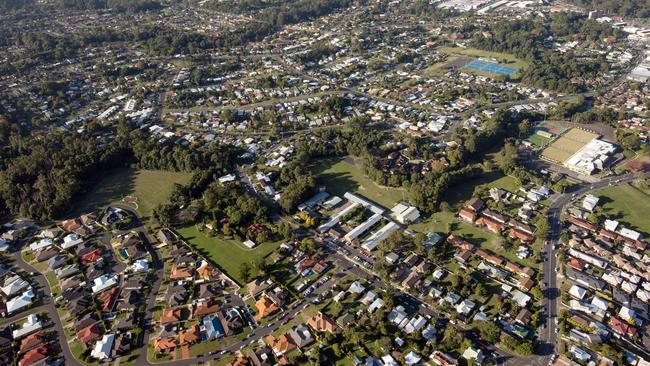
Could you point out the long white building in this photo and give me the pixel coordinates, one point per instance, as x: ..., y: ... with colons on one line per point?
x: 371, y: 243
x: 363, y: 227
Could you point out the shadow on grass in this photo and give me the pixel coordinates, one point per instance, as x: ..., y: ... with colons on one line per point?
x: 462, y: 192
x: 338, y: 183
x: 474, y: 239
x: 111, y: 187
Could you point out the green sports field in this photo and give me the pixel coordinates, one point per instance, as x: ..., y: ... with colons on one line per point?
x: 627, y: 204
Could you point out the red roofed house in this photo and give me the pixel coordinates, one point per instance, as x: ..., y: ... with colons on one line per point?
x: 92, y: 256
x: 264, y: 307
x: 576, y: 264
x: 71, y: 225
x: 463, y: 256
x: 525, y: 284
x: 513, y: 267
x: 467, y: 215
x: 89, y: 333
x: 306, y: 263
x: 164, y: 345
x: 491, y: 258
x: 107, y: 298
x: 189, y: 336
x: 31, y: 341
x: 607, y: 234
x: 460, y: 243
x: 181, y: 273
x: 206, y: 307
x: 171, y: 316
x: 583, y: 224
x: 622, y: 327
x: 492, y: 225
x: 33, y: 356
x: 281, y: 345
x: 321, y: 323
x: 521, y: 236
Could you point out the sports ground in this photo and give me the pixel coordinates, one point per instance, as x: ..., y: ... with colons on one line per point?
x: 567, y: 145
x: 491, y: 67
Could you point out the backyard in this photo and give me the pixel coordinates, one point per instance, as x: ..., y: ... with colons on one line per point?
x: 343, y: 175
x: 228, y: 254
x: 147, y: 187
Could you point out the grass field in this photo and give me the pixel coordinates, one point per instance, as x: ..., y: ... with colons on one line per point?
x: 150, y: 187
x: 568, y: 144
x: 227, y: 254
x: 538, y: 140
x: 627, y: 204
x: 341, y: 175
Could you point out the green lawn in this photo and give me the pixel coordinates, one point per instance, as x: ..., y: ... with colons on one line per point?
x: 439, y: 222
x: 538, y: 140
x: 150, y: 187
x: 227, y: 254
x: 341, y: 175
x: 506, y: 182
x: 627, y: 204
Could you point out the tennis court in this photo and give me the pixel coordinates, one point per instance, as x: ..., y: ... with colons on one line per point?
x: 491, y: 67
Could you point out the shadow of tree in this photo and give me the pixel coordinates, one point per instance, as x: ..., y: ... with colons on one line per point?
x: 111, y: 187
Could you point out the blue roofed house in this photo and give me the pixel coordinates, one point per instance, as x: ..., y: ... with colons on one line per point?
x: 211, y: 328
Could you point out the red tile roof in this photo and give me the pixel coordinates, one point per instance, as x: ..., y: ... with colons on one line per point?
x: 33, y: 356
x: 107, y: 298
x: 92, y: 256
x: 622, y: 327
x: 170, y: 316
x: 31, y: 341
x: 89, y: 333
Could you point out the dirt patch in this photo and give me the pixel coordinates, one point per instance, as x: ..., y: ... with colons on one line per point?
x: 641, y: 164
x: 458, y: 63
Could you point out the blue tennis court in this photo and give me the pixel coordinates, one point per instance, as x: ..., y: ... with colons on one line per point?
x: 491, y: 67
